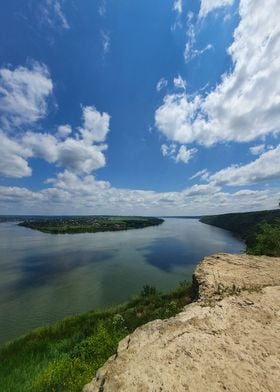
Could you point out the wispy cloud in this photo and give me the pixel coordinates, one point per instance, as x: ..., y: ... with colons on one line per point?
x: 178, y: 6
x: 203, y: 174
x: 53, y: 15
x: 106, y: 42
x: 102, y: 9
x: 161, y: 84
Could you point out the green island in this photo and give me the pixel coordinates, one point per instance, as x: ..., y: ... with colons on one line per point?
x: 65, y: 356
x: 260, y: 230
x: 88, y: 224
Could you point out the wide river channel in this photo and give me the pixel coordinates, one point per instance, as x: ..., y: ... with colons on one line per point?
x: 45, y: 277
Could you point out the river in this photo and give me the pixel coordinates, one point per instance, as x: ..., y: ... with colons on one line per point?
x: 45, y: 277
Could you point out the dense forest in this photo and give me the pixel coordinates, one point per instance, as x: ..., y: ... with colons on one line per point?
x: 260, y: 229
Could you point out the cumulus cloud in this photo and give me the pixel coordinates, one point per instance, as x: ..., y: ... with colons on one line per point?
x: 178, y: 153
x: 246, y: 104
x: 23, y: 95
x: 70, y: 193
x: 264, y: 168
x: 23, y: 101
x: 207, y: 6
x: 95, y: 125
x: 78, y: 154
x: 64, y: 130
x: 13, y: 158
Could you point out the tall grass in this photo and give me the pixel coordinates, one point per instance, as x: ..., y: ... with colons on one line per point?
x: 65, y: 356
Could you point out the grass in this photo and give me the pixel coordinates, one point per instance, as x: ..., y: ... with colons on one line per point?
x: 66, y: 355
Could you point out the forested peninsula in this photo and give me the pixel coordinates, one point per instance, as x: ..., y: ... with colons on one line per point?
x: 89, y: 224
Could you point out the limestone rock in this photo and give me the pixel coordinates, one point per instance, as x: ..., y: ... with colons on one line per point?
x: 228, y: 340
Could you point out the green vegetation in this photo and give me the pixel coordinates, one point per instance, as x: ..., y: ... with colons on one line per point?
x: 65, y: 356
x: 89, y: 224
x: 260, y: 230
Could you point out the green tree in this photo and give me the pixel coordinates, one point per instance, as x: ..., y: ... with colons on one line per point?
x: 267, y: 240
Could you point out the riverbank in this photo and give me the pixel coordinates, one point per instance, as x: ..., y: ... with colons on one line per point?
x: 64, y: 356
x: 260, y: 230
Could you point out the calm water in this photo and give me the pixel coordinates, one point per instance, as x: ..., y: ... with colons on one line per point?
x: 46, y: 277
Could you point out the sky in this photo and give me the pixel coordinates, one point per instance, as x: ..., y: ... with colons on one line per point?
x: 139, y: 107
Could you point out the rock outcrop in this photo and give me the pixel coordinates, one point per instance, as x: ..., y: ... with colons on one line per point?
x: 228, y: 340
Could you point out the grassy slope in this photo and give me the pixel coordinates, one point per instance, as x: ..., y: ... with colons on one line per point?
x: 249, y: 226
x: 66, y: 355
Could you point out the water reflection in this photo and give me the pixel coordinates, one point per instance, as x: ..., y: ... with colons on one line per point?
x: 46, y: 277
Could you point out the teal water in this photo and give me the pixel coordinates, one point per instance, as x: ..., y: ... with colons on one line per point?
x: 45, y: 277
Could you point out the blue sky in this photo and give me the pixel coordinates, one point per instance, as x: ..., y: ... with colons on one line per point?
x: 139, y: 107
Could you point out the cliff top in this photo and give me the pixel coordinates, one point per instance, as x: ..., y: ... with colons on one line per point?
x: 228, y: 340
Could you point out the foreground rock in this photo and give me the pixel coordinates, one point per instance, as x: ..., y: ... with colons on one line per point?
x: 228, y: 340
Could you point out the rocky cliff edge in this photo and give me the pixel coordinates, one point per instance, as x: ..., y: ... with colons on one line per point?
x: 227, y: 340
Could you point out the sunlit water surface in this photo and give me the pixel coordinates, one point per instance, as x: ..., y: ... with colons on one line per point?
x: 45, y: 277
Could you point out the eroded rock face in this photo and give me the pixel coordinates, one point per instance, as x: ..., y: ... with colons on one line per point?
x: 228, y: 340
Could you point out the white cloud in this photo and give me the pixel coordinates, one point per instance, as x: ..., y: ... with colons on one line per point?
x: 246, y: 104
x: 95, y: 125
x: 257, y: 150
x: 64, y: 130
x: 178, y: 153
x: 78, y: 154
x: 41, y: 145
x: 106, y: 42
x: 190, y: 53
x: 203, y: 174
x: 180, y: 83
x: 207, y: 6
x: 178, y: 6
x: 16, y: 194
x: 264, y: 168
x: 102, y: 9
x: 23, y: 95
x: 162, y: 83
x: 53, y: 14
x: 202, y: 189
x: 185, y: 154
x: 69, y: 193
x: 13, y: 158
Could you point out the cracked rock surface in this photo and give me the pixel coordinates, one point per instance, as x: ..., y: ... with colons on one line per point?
x: 228, y: 340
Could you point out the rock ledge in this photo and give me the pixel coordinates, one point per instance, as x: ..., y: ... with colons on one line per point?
x: 228, y: 340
